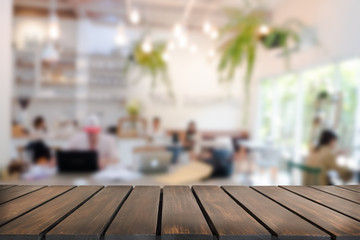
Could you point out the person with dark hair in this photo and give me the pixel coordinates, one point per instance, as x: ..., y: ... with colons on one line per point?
x: 39, y: 151
x: 39, y: 128
x: 324, y: 158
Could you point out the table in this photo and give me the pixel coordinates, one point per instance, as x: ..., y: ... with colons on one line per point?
x: 179, y: 212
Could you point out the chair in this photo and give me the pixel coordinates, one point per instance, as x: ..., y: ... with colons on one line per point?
x: 312, y: 171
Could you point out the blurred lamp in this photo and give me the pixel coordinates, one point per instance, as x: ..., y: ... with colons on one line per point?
x: 193, y: 49
x: 178, y: 31
x: 120, y: 38
x: 214, y: 34
x: 211, y: 53
x: 170, y: 46
x: 54, y: 31
x: 50, y: 54
x: 165, y: 56
x: 207, y: 27
x: 183, y: 42
x: 146, y: 46
x: 264, y: 30
x: 134, y: 16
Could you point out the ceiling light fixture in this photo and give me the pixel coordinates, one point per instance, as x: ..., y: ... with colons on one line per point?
x: 207, y: 27
x: 214, y: 34
x: 121, y: 38
x: 264, y: 30
x: 170, y: 46
x: 183, y: 41
x: 165, y: 56
x: 193, y: 49
x: 146, y: 45
x: 211, y: 53
x: 134, y: 16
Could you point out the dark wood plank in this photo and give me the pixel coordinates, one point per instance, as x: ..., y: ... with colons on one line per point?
x: 36, y: 223
x: 2, y: 187
x: 281, y: 222
x: 89, y: 221
x: 182, y: 217
x: 15, y: 192
x: 340, y: 192
x: 21, y: 205
x: 338, y: 204
x: 334, y: 223
x: 138, y: 217
x: 355, y: 188
x: 227, y: 218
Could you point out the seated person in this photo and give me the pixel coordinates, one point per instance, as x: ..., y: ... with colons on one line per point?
x: 39, y: 152
x: 39, y: 131
x: 324, y: 157
x: 156, y: 134
x: 92, y: 138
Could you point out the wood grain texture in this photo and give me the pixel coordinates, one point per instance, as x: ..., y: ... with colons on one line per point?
x: 15, y: 192
x: 340, y: 192
x: 21, y: 205
x: 283, y: 223
x: 182, y: 217
x: 228, y: 219
x: 89, y: 221
x: 2, y: 187
x: 138, y: 217
x: 355, y: 188
x: 34, y: 224
x: 334, y: 223
x: 338, y: 204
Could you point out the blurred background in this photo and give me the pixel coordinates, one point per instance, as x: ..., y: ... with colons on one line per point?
x: 162, y: 92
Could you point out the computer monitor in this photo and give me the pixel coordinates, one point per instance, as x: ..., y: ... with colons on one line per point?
x: 77, y: 161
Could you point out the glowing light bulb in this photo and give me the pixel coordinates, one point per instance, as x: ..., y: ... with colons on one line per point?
x: 211, y: 53
x: 207, y: 27
x: 214, y: 34
x: 54, y: 31
x: 134, y: 16
x: 146, y: 46
x: 178, y: 30
x: 264, y: 29
x: 183, y: 42
x: 170, y: 46
x: 193, y: 49
x: 165, y: 56
x: 120, y: 38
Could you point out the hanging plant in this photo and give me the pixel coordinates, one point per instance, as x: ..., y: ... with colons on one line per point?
x: 150, y: 63
x: 239, y: 39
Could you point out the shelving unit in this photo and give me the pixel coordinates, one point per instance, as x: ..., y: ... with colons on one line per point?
x: 71, y: 87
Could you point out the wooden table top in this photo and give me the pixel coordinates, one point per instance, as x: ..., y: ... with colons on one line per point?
x: 179, y: 212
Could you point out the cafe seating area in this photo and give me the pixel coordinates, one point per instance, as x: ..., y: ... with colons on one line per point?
x: 181, y: 92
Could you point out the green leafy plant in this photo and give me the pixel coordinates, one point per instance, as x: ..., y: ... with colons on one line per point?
x: 239, y: 40
x: 150, y: 63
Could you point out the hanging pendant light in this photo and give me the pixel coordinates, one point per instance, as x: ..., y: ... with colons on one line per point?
x: 146, y: 45
x: 50, y: 53
x: 121, y: 37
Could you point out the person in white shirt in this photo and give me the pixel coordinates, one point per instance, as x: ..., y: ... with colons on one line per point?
x: 92, y: 138
x: 156, y: 133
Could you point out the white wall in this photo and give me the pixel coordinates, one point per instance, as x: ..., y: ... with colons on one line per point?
x: 5, y: 80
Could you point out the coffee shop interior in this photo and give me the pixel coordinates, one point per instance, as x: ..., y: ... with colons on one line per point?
x: 156, y: 92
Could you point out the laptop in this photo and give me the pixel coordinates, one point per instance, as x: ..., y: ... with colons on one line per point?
x: 154, y: 162
x: 77, y: 161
